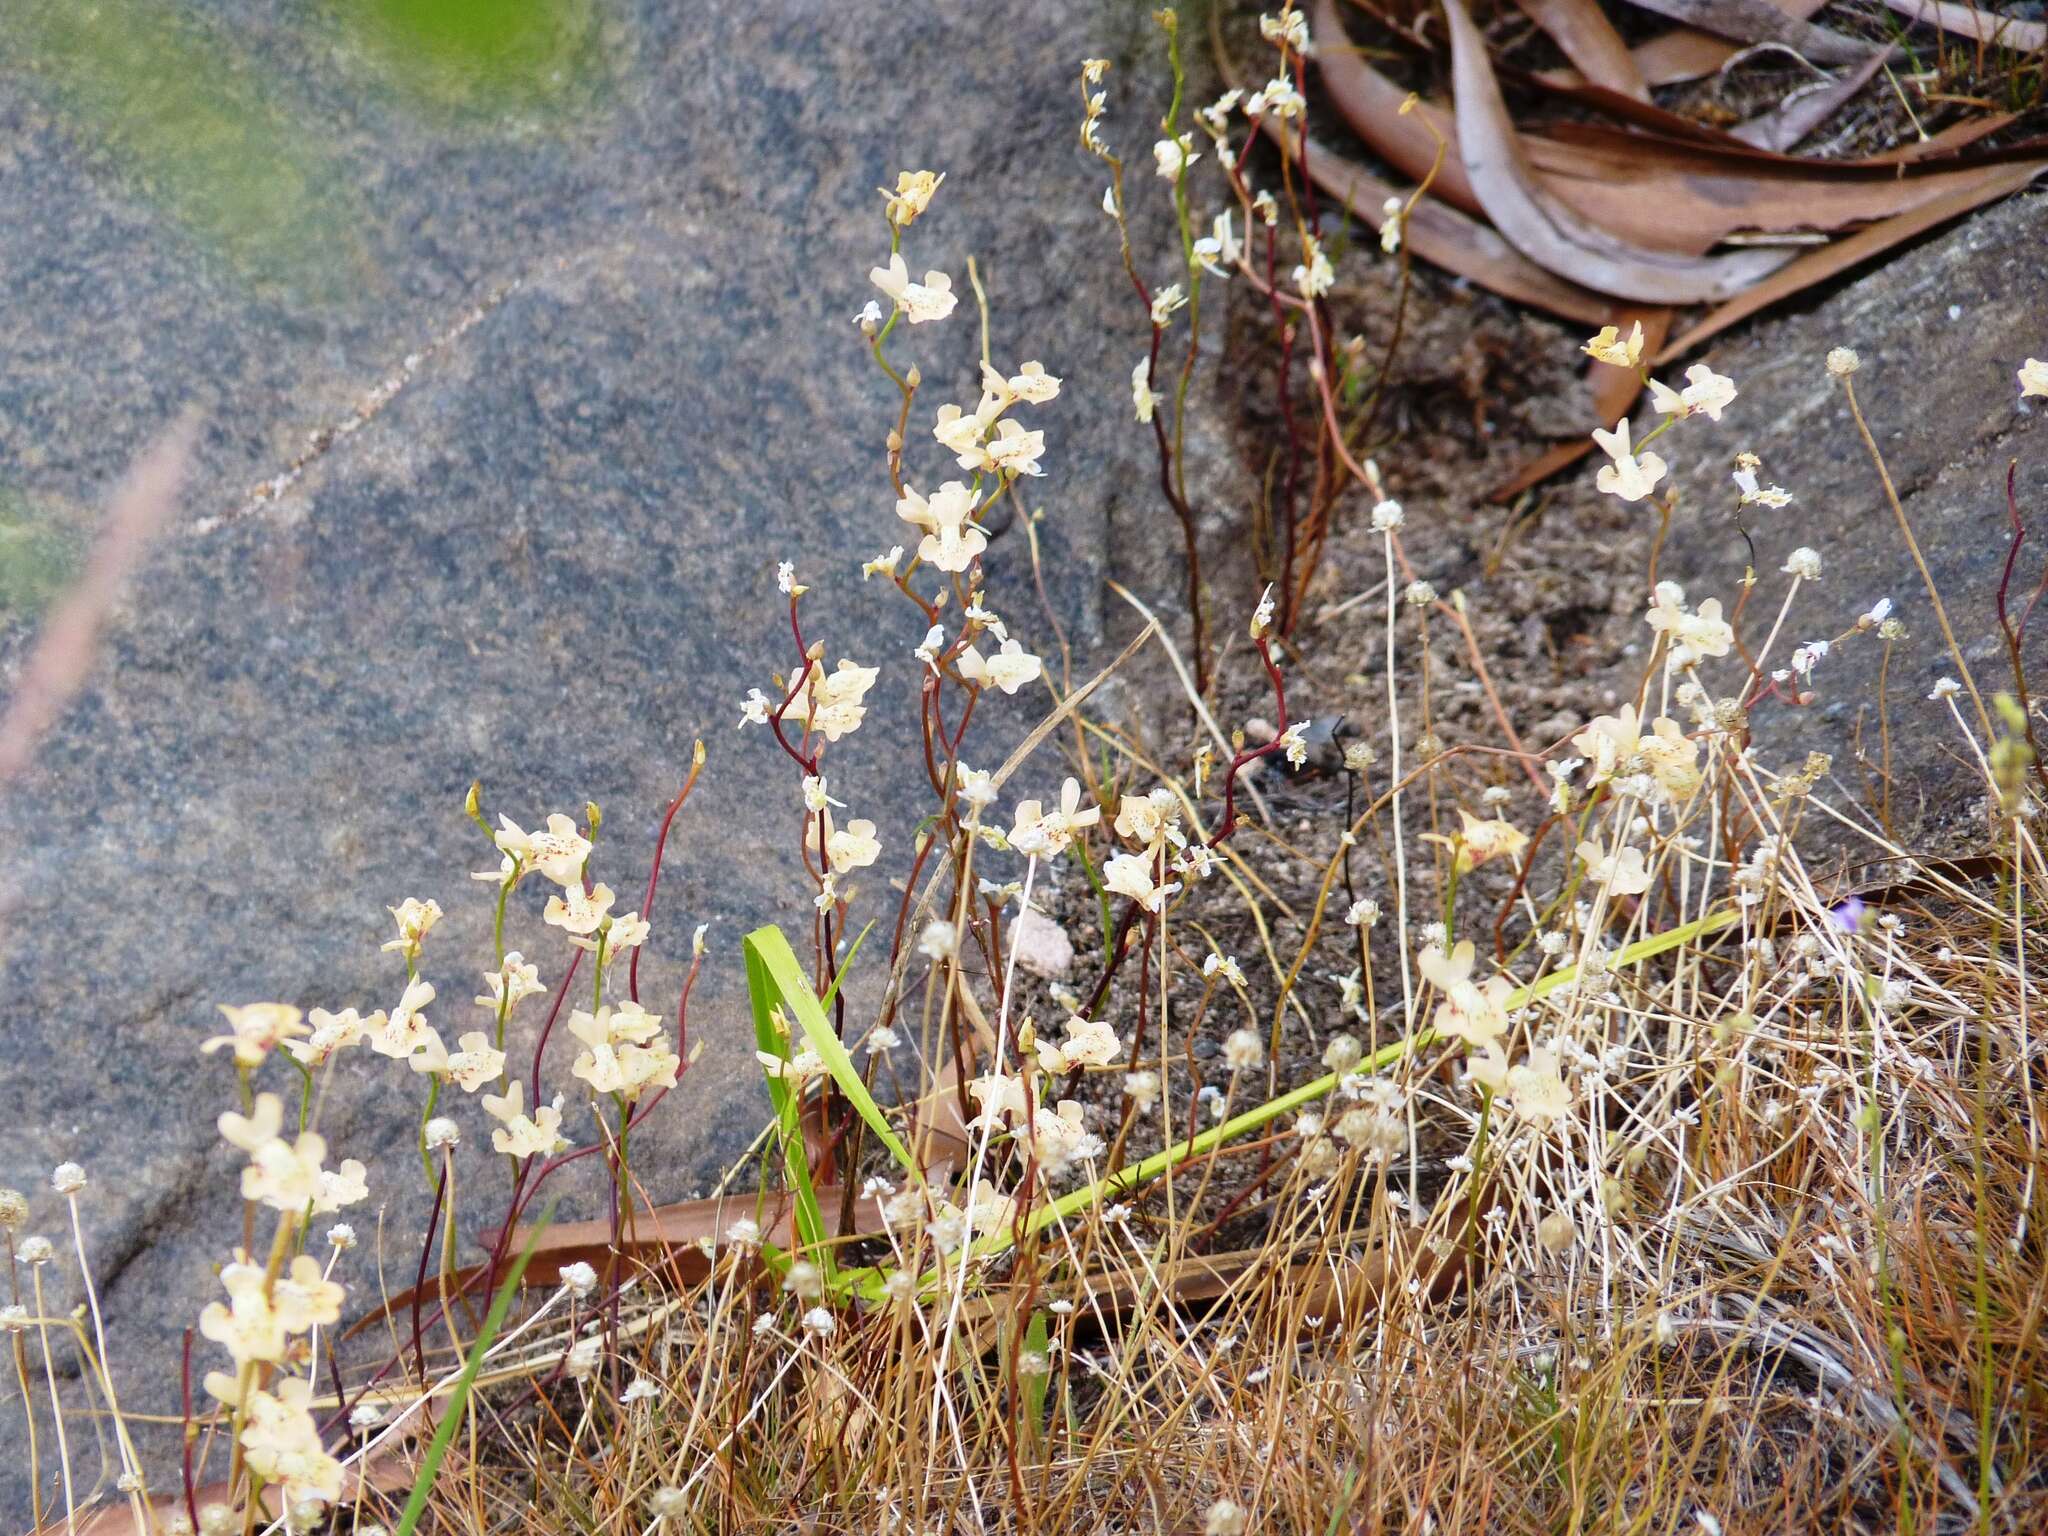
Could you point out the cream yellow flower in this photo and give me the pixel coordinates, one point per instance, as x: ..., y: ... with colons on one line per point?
x: 1033, y: 385
x: 281, y: 1441
x: 1089, y: 1043
x: 331, y: 1032
x: 516, y: 977
x: 1144, y: 818
x: 1706, y: 393
x: 415, y: 919
x: 1172, y: 157
x: 258, y: 1128
x: 406, y: 1032
x: 1001, y: 1098
x: 1623, y: 873
x: 1692, y: 635
x: 1470, y: 1011
x: 477, y: 1063
x: 853, y: 846
x: 257, y: 1030
x: 1045, y: 834
x: 951, y: 539
x: 1014, y: 451
x: 625, y: 1051
x: 1130, y: 874
x: 1536, y: 1090
x: 578, y: 911
x: 1008, y: 669
x: 912, y: 196
x: 1477, y: 842
x: 555, y: 854
x: 2033, y: 378
x: 303, y: 1298
x: 247, y: 1327
x: 520, y: 1135
x: 830, y: 702
x: 1630, y: 476
x: 1608, y: 347
x: 1608, y: 741
x: 1060, y: 1138
x: 932, y: 299
x: 961, y: 434
x: 341, y: 1186
x: 1671, y: 758
x: 1141, y: 389
x: 1315, y: 276
x: 286, y: 1177
x: 1277, y: 96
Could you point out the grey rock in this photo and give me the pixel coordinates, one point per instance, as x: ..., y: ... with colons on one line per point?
x: 548, y: 563
x: 1941, y: 332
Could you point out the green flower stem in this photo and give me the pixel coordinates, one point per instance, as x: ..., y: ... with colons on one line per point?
x: 868, y: 1282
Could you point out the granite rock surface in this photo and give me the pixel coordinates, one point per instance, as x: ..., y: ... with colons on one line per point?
x: 1940, y: 333
x: 618, y: 306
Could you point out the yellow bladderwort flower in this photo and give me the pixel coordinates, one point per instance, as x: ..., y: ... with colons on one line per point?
x: 515, y: 977
x: 1014, y: 451
x: 556, y: 853
x: 1277, y: 97
x: 281, y: 1441
x: 1046, y: 834
x: 476, y: 1064
x: 1706, y: 393
x: 932, y: 299
x: 1470, y: 1011
x: 578, y: 911
x: 255, y: 1129
x: 415, y: 919
x: 304, y: 1298
x: 1089, y: 1043
x: 1008, y: 669
x: 1692, y: 635
x: 1144, y: 818
x: 406, y: 1031
x: 1536, y: 1090
x: 518, y: 1134
x: 1623, y: 873
x: 1630, y: 476
x: 1130, y: 874
x: 1030, y: 383
x: 331, y: 1032
x: 1315, y: 276
x: 912, y: 196
x: 247, y: 1326
x: 1608, y: 741
x: 1478, y: 842
x: 625, y: 1051
x: 853, y: 846
x: 286, y: 1176
x: 257, y: 1030
x: 830, y: 703
x: 1060, y: 1138
x: 1170, y: 157
x: 1607, y: 346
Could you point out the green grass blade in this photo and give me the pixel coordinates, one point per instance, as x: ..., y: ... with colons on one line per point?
x: 868, y: 1282
x: 845, y: 965
x: 770, y: 951
x: 458, y: 1401
x: 1035, y: 1337
x: 764, y: 994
